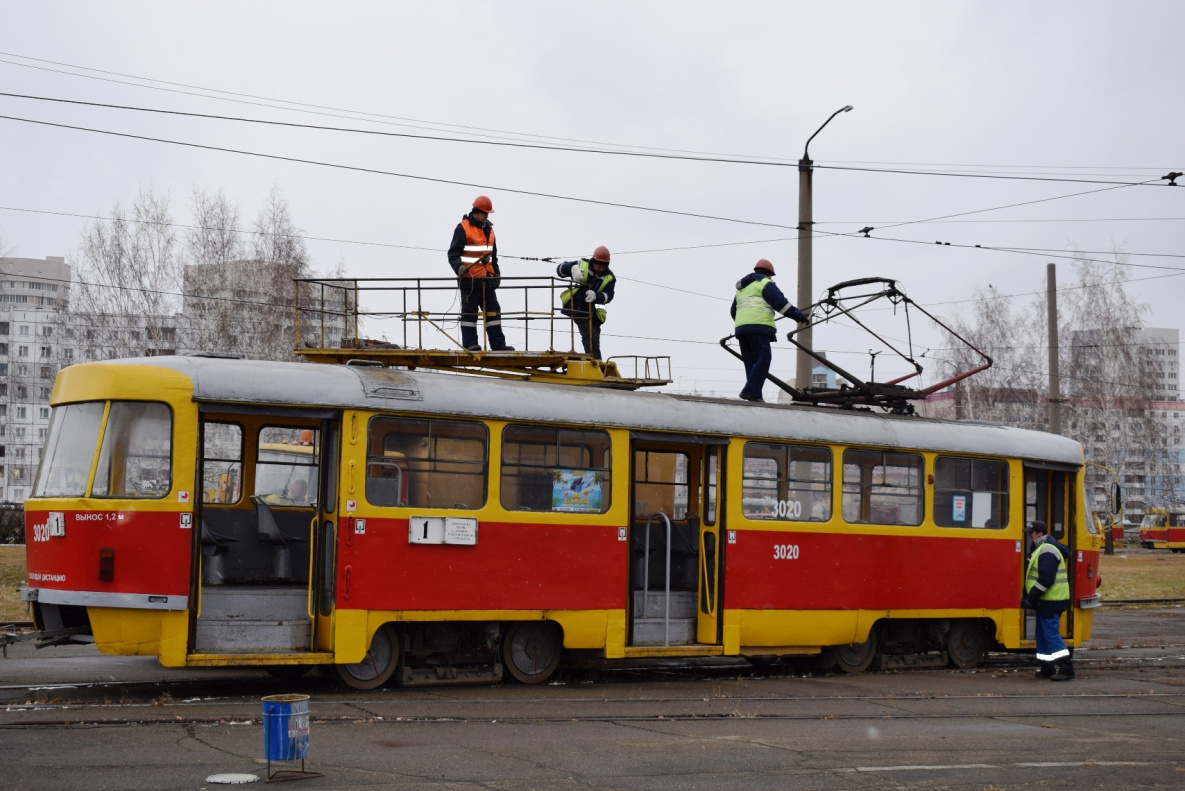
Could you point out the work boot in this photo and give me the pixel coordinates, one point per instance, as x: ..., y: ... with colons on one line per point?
x: 1046, y: 670
x: 1063, y: 670
x: 502, y: 348
x: 747, y: 397
x: 473, y: 347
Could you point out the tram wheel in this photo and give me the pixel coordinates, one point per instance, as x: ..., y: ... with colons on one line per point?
x: 857, y: 657
x: 966, y: 643
x: 287, y: 672
x: 531, y: 651
x: 377, y: 667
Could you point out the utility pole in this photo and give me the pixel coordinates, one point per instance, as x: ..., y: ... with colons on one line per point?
x: 1055, y: 396
x: 805, y: 363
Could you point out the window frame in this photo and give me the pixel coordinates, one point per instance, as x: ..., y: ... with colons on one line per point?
x: 1005, y: 506
x: 241, y: 461
x: 102, y: 440
x: 606, y: 472
x: 871, y: 487
x: 372, y: 459
x: 314, y: 462
x: 791, y: 484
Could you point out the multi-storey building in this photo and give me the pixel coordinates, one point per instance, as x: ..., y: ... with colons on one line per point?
x: 33, y: 293
x: 237, y: 307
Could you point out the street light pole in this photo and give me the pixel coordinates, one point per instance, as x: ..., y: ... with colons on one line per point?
x: 805, y: 363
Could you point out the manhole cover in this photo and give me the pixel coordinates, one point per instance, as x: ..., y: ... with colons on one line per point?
x: 232, y: 778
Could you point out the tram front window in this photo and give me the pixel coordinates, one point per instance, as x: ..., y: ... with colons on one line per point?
x: 66, y: 462
x: 136, y: 459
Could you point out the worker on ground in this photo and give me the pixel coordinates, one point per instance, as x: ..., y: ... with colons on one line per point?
x: 757, y: 301
x: 1047, y: 590
x: 473, y: 255
x: 594, y: 287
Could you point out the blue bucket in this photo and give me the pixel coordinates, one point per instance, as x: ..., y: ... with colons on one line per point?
x: 286, y: 727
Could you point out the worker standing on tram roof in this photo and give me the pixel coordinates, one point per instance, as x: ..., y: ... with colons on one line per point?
x: 473, y: 255
x: 1047, y: 590
x: 594, y: 288
x: 757, y: 300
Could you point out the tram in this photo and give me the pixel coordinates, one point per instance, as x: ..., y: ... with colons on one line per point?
x: 410, y: 526
x: 1160, y: 529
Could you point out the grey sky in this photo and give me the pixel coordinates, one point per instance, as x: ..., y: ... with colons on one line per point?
x: 1091, y: 89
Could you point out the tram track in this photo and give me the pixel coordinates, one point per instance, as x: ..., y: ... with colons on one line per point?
x: 136, y: 692
x: 1059, y: 706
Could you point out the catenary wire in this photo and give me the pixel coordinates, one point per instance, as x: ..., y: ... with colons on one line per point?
x: 435, y: 124
x: 380, y: 172
x: 570, y: 149
x: 645, y: 282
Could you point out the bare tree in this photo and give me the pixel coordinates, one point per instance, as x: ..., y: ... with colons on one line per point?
x: 1110, y: 381
x: 243, y: 296
x: 129, y: 277
x: 213, y: 251
x: 277, y: 239
x: 1107, y: 374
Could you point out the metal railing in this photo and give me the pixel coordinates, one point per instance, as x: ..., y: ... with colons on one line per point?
x: 337, y: 312
x: 646, y: 576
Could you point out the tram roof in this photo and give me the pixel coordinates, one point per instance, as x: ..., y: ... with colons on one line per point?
x: 359, y: 387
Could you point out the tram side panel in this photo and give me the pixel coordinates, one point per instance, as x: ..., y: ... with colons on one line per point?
x: 799, y: 584
x: 393, y: 565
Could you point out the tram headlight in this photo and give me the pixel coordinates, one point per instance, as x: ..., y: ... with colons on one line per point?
x: 106, y: 564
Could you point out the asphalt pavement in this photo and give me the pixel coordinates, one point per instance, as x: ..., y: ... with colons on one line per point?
x: 72, y: 719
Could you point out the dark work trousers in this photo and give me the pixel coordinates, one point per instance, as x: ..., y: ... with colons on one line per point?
x: 584, y: 326
x: 757, y: 356
x: 479, y: 296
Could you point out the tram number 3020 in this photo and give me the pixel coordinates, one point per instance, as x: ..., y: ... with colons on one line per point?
x: 785, y: 551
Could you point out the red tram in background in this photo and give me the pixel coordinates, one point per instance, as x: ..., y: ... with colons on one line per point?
x: 421, y: 527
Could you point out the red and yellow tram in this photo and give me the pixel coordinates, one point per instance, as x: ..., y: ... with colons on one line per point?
x: 434, y: 527
x: 1160, y: 529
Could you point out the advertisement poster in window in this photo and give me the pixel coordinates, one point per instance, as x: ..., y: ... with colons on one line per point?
x: 959, y: 506
x: 576, y: 490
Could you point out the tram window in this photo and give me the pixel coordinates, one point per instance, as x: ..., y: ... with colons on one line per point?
x: 786, y: 482
x: 66, y: 462
x: 286, y: 465
x: 970, y: 492
x: 882, y: 488
x: 549, y: 469
x: 222, y: 463
x: 661, y: 484
x: 136, y: 459
x: 426, y: 463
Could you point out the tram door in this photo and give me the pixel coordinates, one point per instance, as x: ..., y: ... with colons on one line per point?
x: 675, y: 547
x: 266, y: 531
x: 1049, y: 496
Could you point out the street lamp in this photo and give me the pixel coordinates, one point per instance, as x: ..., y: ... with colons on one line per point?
x: 802, y: 376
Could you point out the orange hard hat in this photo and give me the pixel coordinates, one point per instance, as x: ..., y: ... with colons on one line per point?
x: 766, y: 265
x: 601, y: 254
x: 482, y: 203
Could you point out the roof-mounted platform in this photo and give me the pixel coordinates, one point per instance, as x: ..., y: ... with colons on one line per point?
x: 423, y: 314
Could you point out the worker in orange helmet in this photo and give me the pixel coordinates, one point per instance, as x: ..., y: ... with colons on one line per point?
x: 473, y: 255
x: 757, y: 301
x: 592, y: 287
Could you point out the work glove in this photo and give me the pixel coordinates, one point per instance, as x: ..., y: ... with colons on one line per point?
x: 576, y: 273
x: 798, y: 315
x: 590, y: 296
x: 1029, y: 602
x: 462, y: 270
